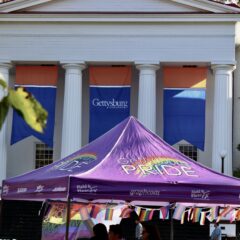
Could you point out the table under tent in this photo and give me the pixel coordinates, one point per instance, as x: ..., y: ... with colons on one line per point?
x: 128, y: 163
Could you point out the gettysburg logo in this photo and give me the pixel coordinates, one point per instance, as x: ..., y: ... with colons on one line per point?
x: 109, y: 104
x: 157, y: 166
x: 76, y: 162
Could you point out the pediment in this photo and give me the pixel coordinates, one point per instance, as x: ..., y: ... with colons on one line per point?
x: 112, y: 6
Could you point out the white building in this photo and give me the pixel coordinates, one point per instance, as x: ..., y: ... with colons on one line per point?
x: 146, y: 34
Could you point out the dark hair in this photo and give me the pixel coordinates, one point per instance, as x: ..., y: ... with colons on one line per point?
x: 116, y: 229
x: 152, y: 231
x: 100, y: 231
x: 134, y: 216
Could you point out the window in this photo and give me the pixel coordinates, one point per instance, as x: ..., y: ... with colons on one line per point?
x: 43, y: 155
x: 189, y: 150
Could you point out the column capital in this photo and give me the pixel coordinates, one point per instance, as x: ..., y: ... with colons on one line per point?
x: 153, y: 67
x: 78, y: 66
x: 6, y: 65
x: 223, y: 67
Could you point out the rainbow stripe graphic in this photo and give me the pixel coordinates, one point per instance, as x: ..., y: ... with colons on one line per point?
x: 157, y: 161
x: 80, y: 157
x: 84, y: 156
x: 109, y: 214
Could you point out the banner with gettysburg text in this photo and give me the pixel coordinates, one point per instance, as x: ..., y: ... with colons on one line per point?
x: 184, y: 105
x: 41, y: 82
x: 109, y: 98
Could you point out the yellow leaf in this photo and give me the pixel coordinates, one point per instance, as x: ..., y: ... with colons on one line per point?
x: 29, y: 108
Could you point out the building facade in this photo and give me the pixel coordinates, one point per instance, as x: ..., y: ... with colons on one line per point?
x: 149, y: 36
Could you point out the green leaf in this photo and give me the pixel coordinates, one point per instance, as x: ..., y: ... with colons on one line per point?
x: 3, y: 83
x: 29, y: 108
x: 4, y: 106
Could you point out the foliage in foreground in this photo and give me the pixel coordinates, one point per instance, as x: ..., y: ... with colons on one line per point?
x: 25, y: 104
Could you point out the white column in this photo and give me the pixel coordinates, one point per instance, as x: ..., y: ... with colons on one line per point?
x: 4, y: 74
x: 222, y: 118
x: 72, y: 109
x: 147, y: 95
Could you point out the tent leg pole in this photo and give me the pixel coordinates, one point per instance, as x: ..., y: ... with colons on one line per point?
x: 171, y: 225
x: 68, y: 218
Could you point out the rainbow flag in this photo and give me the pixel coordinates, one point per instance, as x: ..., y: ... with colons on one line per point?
x: 184, y: 105
x: 138, y: 210
x: 109, y: 97
x: 213, y: 213
x: 233, y: 215
x: 95, y: 210
x: 178, y: 212
x: 143, y: 215
x: 126, y: 212
x: 183, y: 217
x: 189, y: 212
x: 74, y: 213
x: 84, y: 214
x: 224, y: 212
x: 196, y: 214
x: 203, y: 218
x: 164, y: 212
x: 41, y: 82
x: 57, y: 214
x: 109, y: 214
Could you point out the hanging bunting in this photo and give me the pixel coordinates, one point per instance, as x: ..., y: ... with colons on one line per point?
x: 95, y: 209
x: 238, y: 215
x: 109, y: 98
x: 213, y: 213
x: 189, y: 212
x: 41, y: 82
x: 164, y: 211
x: 224, y: 212
x: 57, y: 214
x: 203, y: 218
x: 196, y: 214
x: 183, y: 217
x: 84, y: 214
x: 137, y: 210
x: 109, y: 214
x: 233, y: 215
x: 126, y: 212
x: 184, y: 105
x: 179, y: 210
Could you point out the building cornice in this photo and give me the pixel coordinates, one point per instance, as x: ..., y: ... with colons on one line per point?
x: 126, y: 17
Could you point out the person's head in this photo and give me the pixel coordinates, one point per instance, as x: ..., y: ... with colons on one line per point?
x: 115, y: 232
x: 216, y: 224
x: 134, y: 216
x: 149, y: 232
x: 100, y: 231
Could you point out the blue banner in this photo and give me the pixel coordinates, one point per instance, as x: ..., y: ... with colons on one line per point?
x: 108, y: 107
x: 184, y: 116
x: 20, y: 130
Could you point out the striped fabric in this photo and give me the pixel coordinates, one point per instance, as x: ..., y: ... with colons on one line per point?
x: 178, y: 212
x: 109, y: 214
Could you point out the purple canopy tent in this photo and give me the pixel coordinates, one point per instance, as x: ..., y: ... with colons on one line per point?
x: 130, y: 163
